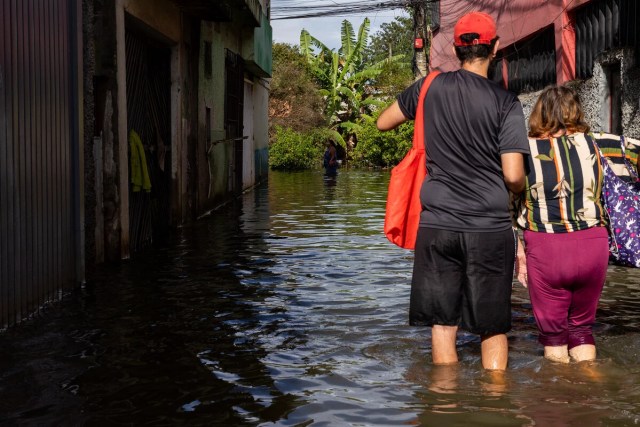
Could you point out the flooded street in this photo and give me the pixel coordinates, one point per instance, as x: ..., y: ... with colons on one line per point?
x: 291, y: 309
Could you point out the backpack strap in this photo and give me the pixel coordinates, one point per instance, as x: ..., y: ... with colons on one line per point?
x: 630, y: 168
x: 606, y: 171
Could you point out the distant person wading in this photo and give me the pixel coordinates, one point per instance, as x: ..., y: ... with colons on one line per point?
x: 330, y: 160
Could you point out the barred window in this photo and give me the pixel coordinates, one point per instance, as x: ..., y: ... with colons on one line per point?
x: 602, y: 25
x: 531, y: 63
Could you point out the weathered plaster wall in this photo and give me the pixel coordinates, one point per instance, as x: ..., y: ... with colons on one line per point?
x: 214, y: 152
x: 592, y: 93
x: 222, y: 36
x: 215, y: 174
x: 161, y: 15
x: 102, y: 190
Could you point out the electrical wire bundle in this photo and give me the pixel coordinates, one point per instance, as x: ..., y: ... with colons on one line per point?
x: 297, y: 9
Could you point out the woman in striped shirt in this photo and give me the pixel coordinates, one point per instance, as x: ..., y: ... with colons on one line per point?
x: 564, y: 226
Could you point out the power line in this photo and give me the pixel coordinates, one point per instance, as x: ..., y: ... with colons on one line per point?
x: 296, y: 9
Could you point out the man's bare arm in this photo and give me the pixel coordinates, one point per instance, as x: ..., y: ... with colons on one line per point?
x: 513, y: 171
x: 391, y: 118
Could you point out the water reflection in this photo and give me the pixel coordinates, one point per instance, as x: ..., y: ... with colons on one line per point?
x: 290, y: 309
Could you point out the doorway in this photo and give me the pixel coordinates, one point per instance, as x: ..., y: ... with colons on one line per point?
x: 148, y: 64
x: 612, y: 106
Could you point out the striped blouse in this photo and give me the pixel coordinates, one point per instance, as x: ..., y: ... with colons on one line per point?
x: 563, y: 186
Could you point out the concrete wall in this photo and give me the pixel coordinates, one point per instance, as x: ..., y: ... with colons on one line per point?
x: 215, y: 153
x: 215, y: 173
x: 261, y: 90
x: 592, y: 92
x: 102, y: 189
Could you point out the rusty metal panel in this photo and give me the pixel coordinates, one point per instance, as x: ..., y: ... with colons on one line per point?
x: 6, y: 163
x: 39, y: 135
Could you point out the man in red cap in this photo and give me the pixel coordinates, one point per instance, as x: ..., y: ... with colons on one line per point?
x: 475, y: 139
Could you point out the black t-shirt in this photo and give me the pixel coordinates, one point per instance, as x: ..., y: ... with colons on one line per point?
x: 469, y: 122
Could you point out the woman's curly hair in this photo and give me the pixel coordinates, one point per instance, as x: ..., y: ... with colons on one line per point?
x: 557, y: 109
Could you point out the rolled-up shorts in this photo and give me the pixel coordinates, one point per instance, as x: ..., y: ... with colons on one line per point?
x: 463, y: 279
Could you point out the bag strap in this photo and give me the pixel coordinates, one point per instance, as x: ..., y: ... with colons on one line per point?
x: 606, y: 170
x: 602, y: 160
x: 630, y: 168
x: 418, y: 126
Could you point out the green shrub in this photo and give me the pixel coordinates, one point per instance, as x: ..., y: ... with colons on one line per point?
x: 381, y: 149
x: 291, y: 150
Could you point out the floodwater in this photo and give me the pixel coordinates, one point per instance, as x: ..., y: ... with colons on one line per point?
x: 290, y: 309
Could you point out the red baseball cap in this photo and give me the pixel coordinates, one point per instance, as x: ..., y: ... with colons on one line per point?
x: 475, y: 22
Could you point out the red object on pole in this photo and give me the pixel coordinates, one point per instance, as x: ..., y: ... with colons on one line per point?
x: 418, y: 43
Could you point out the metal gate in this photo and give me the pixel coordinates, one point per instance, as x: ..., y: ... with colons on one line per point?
x: 531, y: 63
x: 233, y: 109
x: 148, y: 114
x: 40, y: 243
x: 602, y: 25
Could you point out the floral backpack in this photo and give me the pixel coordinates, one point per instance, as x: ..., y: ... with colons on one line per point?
x: 622, y: 203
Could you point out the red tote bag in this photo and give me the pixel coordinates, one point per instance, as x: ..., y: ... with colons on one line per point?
x: 402, y: 215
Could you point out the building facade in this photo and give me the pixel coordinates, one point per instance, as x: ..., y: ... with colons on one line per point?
x: 121, y: 120
x: 591, y: 44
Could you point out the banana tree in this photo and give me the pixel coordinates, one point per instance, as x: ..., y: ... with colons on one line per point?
x: 344, y: 76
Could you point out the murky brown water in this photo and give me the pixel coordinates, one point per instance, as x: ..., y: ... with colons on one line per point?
x: 290, y: 309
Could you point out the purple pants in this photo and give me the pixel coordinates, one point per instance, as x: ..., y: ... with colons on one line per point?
x: 566, y: 274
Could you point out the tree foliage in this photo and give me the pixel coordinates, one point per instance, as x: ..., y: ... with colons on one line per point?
x: 393, y: 39
x: 319, y: 94
x: 345, y: 77
x: 294, y: 99
x: 292, y: 150
x: 381, y: 149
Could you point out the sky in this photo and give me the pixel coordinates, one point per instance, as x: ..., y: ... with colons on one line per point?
x: 327, y: 29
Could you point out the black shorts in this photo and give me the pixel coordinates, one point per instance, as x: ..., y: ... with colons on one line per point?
x: 463, y: 279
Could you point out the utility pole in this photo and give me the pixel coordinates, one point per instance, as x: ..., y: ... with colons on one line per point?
x: 420, y: 38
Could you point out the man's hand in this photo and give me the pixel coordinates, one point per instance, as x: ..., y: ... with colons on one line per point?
x: 521, y: 265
